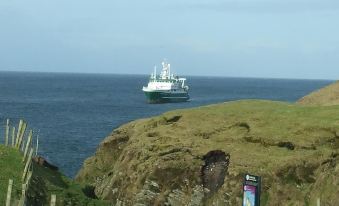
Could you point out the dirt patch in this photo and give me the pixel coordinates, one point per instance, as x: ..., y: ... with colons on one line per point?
x: 250, y: 139
x: 288, y: 145
x: 214, y: 170
x: 152, y: 134
x: 259, y: 140
x: 173, y: 119
x: 243, y: 125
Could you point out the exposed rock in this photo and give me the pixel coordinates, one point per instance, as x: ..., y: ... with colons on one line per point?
x: 43, y: 162
x: 148, y: 194
x: 199, y: 156
x: 197, y: 196
x: 214, y: 170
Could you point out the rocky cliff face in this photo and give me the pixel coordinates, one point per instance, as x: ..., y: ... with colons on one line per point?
x: 199, y: 156
x: 326, y: 96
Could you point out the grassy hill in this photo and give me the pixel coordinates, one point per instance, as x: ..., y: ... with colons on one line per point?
x: 326, y: 96
x: 11, y: 167
x: 199, y: 156
x: 44, y: 182
x: 162, y: 160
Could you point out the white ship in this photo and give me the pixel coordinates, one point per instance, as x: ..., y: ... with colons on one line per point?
x: 166, y: 87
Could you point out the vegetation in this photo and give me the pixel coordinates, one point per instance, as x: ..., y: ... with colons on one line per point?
x: 11, y: 168
x: 294, y: 148
x: 326, y: 96
x: 44, y: 183
x: 199, y: 156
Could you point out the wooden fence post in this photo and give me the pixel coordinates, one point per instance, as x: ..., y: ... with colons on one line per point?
x: 27, y: 144
x: 30, y: 173
x: 22, y: 144
x: 18, y: 133
x: 37, y: 145
x: 9, y: 192
x: 23, y: 195
x: 29, y: 160
x: 13, y: 136
x: 24, y: 190
x: 22, y: 133
x: 53, y: 200
x: 7, y: 132
x: 318, y: 201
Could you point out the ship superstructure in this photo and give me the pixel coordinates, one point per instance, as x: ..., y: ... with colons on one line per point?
x: 166, y: 87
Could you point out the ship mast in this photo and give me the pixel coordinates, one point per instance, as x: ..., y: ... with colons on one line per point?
x: 155, y: 72
x: 165, y: 73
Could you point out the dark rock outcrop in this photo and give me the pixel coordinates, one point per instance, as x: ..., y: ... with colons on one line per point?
x: 214, y: 170
x: 43, y: 162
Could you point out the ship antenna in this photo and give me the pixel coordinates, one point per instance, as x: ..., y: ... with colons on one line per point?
x: 155, y: 71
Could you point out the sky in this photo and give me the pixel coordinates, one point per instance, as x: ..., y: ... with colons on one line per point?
x: 235, y: 38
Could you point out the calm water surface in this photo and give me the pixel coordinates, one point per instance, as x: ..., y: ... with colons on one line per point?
x: 75, y: 112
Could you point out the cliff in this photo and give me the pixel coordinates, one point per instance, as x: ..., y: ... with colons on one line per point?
x: 199, y: 156
x: 326, y: 96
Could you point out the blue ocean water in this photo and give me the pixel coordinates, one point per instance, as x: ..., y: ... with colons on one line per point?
x: 75, y: 112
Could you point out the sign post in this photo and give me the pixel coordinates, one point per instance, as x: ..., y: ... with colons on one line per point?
x: 251, y: 190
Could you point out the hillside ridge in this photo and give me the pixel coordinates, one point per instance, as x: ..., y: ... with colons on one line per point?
x: 199, y: 156
x: 326, y: 96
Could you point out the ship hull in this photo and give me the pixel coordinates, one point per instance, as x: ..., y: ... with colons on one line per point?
x: 155, y: 97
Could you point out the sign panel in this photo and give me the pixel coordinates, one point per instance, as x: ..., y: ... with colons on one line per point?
x: 251, y: 190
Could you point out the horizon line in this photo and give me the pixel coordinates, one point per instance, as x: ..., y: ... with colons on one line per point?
x: 213, y: 76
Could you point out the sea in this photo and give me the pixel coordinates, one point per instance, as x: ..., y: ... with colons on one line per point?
x: 73, y: 113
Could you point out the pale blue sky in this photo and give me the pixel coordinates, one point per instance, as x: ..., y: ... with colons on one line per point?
x: 243, y: 38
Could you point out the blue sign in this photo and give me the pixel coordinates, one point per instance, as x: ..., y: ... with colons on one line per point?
x: 251, y: 190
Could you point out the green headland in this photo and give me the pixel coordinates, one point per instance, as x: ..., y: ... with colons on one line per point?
x: 159, y: 160
x: 199, y: 156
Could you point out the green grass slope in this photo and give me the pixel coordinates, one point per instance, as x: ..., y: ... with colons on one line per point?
x: 44, y: 183
x: 11, y: 167
x: 326, y: 96
x: 159, y: 160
